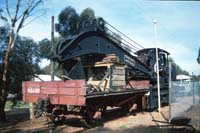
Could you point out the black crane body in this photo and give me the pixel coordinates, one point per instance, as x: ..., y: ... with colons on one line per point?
x: 114, y: 74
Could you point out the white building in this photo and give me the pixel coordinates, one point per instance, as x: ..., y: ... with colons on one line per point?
x: 42, y: 77
x: 183, y: 78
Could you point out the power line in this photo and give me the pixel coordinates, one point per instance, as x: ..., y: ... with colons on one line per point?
x: 126, y: 44
x: 124, y: 34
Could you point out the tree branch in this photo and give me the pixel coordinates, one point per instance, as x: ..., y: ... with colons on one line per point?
x: 28, y: 5
x: 16, y: 12
x: 32, y: 20
x: 35, y: 5
x: 29, y: 8
x: 7, y: 9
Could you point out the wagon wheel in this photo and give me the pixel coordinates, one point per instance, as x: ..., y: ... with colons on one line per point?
x: 55, y: 116
x: 88, y: 119
x: 126, y: 107
x: 52, y: 122
x: 103, y: 110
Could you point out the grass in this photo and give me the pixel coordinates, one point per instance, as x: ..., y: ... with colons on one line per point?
x: 19, y: 104
x: 123, y: 127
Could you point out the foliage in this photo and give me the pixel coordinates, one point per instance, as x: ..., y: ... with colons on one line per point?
x: 196, y: 78
x: 69, y: 20
x: 87, y: 14
x: 198, y: 57
x: 179, y: 70
x: 23, y: 63
x: 10, y: 105
x: 16, y: 18
x: 70, y: 23
x: 45, y: 47
x: 45, y: 53
x: 3, y: 40
x: 57, y: 70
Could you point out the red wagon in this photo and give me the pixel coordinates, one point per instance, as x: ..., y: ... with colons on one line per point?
x: 61, y: 98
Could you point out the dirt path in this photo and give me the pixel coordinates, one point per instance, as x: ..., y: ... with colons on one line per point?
x: 113, y: 121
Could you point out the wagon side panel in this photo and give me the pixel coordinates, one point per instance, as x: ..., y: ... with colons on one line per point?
x: 71, y: 92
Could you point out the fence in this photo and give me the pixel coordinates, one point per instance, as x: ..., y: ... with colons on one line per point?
x: 183, y: 96
x: 184, y: 100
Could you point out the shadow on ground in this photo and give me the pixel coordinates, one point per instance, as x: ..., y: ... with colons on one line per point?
x: 19, y: 116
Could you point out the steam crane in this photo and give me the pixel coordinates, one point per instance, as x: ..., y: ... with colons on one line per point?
x: 100, y: 69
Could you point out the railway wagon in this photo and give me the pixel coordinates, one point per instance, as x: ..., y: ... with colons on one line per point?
x: 100, y: 70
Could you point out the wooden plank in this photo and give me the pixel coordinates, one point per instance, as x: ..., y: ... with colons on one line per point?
x: 143, y: 84
x: 144, y: 102
x: 110, y: 58
x: 97, y: 82
x: 118, y: 83
x: 118, y: 71
x: 119, y: 67
x: 118, y: 77
x: 98, y: 64
x: 31, y: 110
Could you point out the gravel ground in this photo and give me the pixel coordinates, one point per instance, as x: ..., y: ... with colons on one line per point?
x: 113, y: 121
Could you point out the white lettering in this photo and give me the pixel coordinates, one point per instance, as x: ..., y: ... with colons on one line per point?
x: 33, y: 90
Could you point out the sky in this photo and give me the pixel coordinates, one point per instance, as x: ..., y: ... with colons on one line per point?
x: 178, y: 24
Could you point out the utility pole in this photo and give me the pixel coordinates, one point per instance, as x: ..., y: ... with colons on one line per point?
x: 170, y: 90
x: 52, y: 47
x: 157, y: 66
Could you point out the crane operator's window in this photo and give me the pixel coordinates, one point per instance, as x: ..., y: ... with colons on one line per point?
x: 162, y: 61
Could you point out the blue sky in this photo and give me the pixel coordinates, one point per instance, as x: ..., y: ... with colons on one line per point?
x: 178, y: 24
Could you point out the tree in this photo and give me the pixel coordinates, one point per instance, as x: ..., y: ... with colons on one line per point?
x: 45, y: 47
x: 178, y: 69
x: 198, y: 58
x: 87, y: 14
x: 57, y: 69
x: 45, y: 53
x: 23, y: 64
x: 16, y: 20
x: 70, y: 21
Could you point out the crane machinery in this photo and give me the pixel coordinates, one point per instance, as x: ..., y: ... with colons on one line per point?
x: 101, y: 69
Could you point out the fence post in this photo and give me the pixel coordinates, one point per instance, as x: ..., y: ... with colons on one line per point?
x: 193, y: 88
x: 170, y: 72
x: 31, y: 110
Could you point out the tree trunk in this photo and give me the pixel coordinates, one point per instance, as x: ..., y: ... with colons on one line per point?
x: 4, y: 81
x: 2, y: 105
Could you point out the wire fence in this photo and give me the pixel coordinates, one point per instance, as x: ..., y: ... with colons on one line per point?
x: 184, y: 95
x: 184, y: 101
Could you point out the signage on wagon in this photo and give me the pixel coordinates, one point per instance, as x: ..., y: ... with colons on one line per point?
x: 33, y: 90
